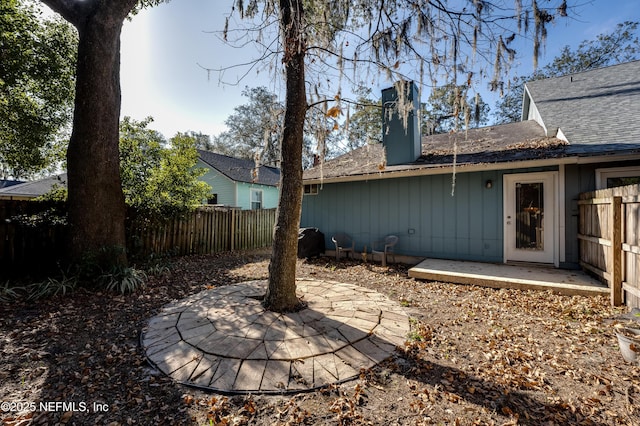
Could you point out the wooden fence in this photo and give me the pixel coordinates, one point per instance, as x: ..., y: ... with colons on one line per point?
x: 28, y: 243
x: 610, y: 240
x: 204, y: 231
x: 25, y: 243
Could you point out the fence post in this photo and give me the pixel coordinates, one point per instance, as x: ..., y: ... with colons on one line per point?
x: 616, y: 250
x: 232, y: 230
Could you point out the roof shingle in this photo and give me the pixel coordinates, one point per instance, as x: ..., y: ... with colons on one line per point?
x: 240, y: 169
x: 597, y: 111
x: 35, y: 188
x: 592, y: 108
x: 520, y: 141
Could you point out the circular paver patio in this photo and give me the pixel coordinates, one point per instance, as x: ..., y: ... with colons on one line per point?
x: 224, y: 340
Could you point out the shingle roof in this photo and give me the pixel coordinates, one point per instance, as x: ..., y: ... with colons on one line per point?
x: 36, y: 187
x: 503, y: 143
x: 7, y: 183
x: 239, y: 169
x: 592, y: 108
x: 598, y: 111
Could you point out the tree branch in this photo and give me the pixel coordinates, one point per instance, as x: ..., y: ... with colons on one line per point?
x: 71, y: 10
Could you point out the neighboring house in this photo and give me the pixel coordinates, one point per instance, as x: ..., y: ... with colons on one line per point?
x: 234, y: 182
x: 495, y: 194
x: 30, y: 190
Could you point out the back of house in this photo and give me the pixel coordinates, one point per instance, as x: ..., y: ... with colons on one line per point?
x: 500, y: 193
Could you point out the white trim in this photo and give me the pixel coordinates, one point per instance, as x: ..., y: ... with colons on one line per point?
x: 604, y: 173
x: 507, y: 180
x: 255, y: 191
x: 560, y: 135
x: 533, y: 113
x: 562, y: 212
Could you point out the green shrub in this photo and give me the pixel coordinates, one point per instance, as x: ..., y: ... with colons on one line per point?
x: 9, y: 292
x: 51, y: 287
x: 122, y: 280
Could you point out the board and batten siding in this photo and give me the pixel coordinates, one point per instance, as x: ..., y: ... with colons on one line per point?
x: 580, y: 178
x: 420, y: 210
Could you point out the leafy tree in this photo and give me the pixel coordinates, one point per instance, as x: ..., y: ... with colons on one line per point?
x: 37, y: 74
x: 620, y: 45
x: 159, y: 180
x: 450, y: 107
x: 255, y: 128
x: 202, y: 141
x: 96, y: 202
x: 365, y: 124
x: 140, y: 154
x: 175, y: 183
x: 325, y: 42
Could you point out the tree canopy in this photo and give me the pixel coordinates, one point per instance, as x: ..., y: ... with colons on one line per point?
x: 159, y: 178
x: 364, y: 124
x: 450, y: 107
x: 37, y: 77
x: 254, y: 129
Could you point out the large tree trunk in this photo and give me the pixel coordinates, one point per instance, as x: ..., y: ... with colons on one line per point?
x: 281, y: 292
x: 96, y: 202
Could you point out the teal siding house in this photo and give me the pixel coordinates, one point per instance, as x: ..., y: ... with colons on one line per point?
x: 495, y: 194
x: 234, y: 183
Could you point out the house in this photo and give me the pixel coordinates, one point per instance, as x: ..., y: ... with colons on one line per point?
x: 32, y: 189
x: 235, y: 184
x: 495, y: 194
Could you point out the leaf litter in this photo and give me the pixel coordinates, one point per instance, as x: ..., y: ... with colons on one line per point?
x: 474, y: 356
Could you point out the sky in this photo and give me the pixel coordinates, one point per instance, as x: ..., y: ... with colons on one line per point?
x: 165, y: 48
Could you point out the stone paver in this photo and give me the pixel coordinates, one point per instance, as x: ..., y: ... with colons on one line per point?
x: 222, y: 339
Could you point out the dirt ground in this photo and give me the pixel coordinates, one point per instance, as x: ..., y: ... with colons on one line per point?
x: 475, y: 356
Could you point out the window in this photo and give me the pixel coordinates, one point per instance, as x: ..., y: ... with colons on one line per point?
x: 213, y: 199
x: 617, y: 176
x: 256, y: 199
x: 311, y: 189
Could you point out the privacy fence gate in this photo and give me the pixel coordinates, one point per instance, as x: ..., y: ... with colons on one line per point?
x: 610, y: 240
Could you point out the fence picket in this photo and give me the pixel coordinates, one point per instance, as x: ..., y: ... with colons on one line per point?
x: 609, y: 241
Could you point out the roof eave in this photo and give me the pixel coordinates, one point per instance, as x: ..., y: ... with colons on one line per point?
x: 467, y: 168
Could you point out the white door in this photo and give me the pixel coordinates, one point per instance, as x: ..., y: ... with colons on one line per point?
x: 530, y: 217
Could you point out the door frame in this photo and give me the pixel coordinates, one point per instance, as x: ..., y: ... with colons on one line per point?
x: 552, y: 212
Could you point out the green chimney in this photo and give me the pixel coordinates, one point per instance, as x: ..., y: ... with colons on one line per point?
x: 400, y: 138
